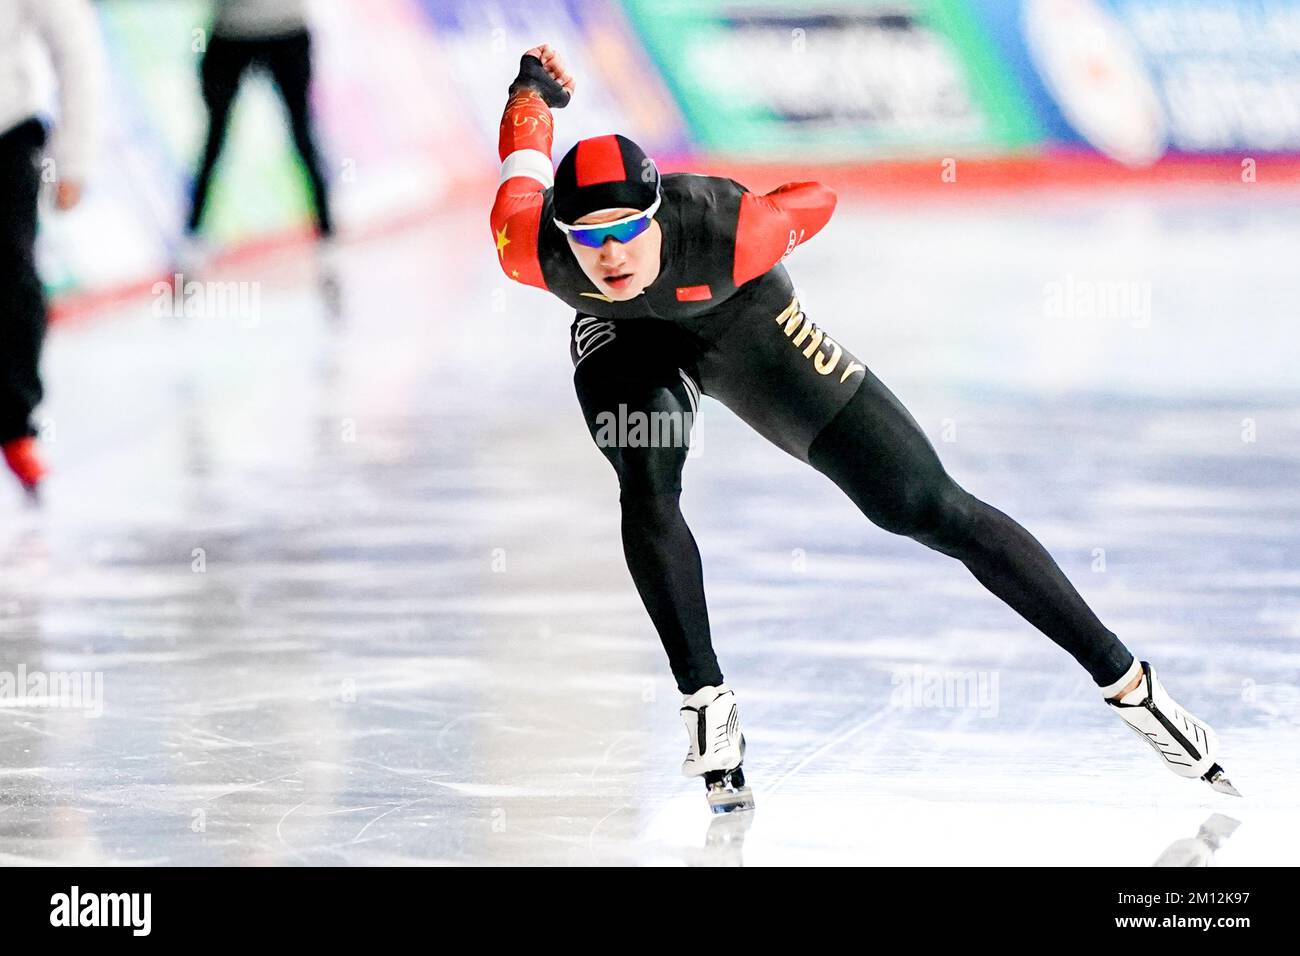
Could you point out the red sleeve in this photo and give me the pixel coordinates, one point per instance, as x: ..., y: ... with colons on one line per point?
x: 769, y: 227
x: 525, y: 149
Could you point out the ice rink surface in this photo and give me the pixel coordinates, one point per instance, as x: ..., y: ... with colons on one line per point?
x: 355, y: 590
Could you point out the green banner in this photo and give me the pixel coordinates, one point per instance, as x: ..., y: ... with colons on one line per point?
x: 839, y: 80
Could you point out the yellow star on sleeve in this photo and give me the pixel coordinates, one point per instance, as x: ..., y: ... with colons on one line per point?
x: 514, y: 273
x: 502, y: 242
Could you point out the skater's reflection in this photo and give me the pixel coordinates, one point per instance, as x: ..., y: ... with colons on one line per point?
x: 1199, y: 850
x: 329, y: 285
x: 724, y: 844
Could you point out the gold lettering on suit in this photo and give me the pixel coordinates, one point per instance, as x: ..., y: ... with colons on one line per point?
x: 794, y: 320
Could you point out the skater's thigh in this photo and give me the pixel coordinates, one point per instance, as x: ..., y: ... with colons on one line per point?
x: 288, y: 59
x: 779, y: 372
x: 635, y: 385
x: 223, y: 64
x: 20, y: 151
x: 875, y: 451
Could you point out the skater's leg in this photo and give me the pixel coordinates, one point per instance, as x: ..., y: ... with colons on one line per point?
x: 1130, y: 686
x: 807, y: 394
x: 22, y: 298
x: 619, y: 377
x: 289, y: 60
x: 223, y: 64
x: 877, y: 454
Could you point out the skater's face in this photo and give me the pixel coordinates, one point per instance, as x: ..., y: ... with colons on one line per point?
x: 620, y: 270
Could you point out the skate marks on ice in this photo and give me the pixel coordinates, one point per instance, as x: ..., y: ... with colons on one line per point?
x: 412, y: 639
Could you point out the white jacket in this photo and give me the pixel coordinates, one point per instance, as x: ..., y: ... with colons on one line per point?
x: 67, y: 32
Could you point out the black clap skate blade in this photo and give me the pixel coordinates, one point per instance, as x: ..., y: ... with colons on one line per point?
x: 731, y: 801
x: 727, y: 791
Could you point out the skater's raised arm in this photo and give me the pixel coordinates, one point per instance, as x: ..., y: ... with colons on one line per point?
x: 770, y: 226
x: 524, y: 146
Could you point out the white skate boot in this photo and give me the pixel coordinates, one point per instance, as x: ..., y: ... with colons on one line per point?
x: 1185, y: 743
x: 717, y: 747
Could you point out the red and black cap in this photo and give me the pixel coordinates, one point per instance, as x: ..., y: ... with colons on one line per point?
x: 604, y: 172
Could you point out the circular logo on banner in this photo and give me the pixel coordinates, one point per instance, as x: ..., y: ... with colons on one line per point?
x: 1090, y: 65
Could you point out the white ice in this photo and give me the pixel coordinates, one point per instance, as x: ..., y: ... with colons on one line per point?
x: 409, y: 636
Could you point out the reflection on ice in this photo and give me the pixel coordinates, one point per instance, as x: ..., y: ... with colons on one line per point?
x: 1199, y: 850
x: 355, y: 589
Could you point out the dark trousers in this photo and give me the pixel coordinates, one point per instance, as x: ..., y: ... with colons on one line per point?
x: 288, y: 59
x: 22, y: 298
x: 782, y: 375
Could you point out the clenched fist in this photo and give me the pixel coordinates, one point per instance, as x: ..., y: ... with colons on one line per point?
x: 541, y: 69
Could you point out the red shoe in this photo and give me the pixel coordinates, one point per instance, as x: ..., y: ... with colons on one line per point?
x: 20, y: 454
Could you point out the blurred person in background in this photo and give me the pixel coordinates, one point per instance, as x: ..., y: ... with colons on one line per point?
x: 66, y: 31
x: 271, y: 34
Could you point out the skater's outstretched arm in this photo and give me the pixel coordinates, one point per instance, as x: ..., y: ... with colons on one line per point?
x: 524, y: 145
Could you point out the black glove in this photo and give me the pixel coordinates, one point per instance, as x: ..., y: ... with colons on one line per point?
x: 533, y: 76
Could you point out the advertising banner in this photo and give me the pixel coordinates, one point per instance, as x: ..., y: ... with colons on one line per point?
x: 840, y: 79
x: 1141, y: 79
